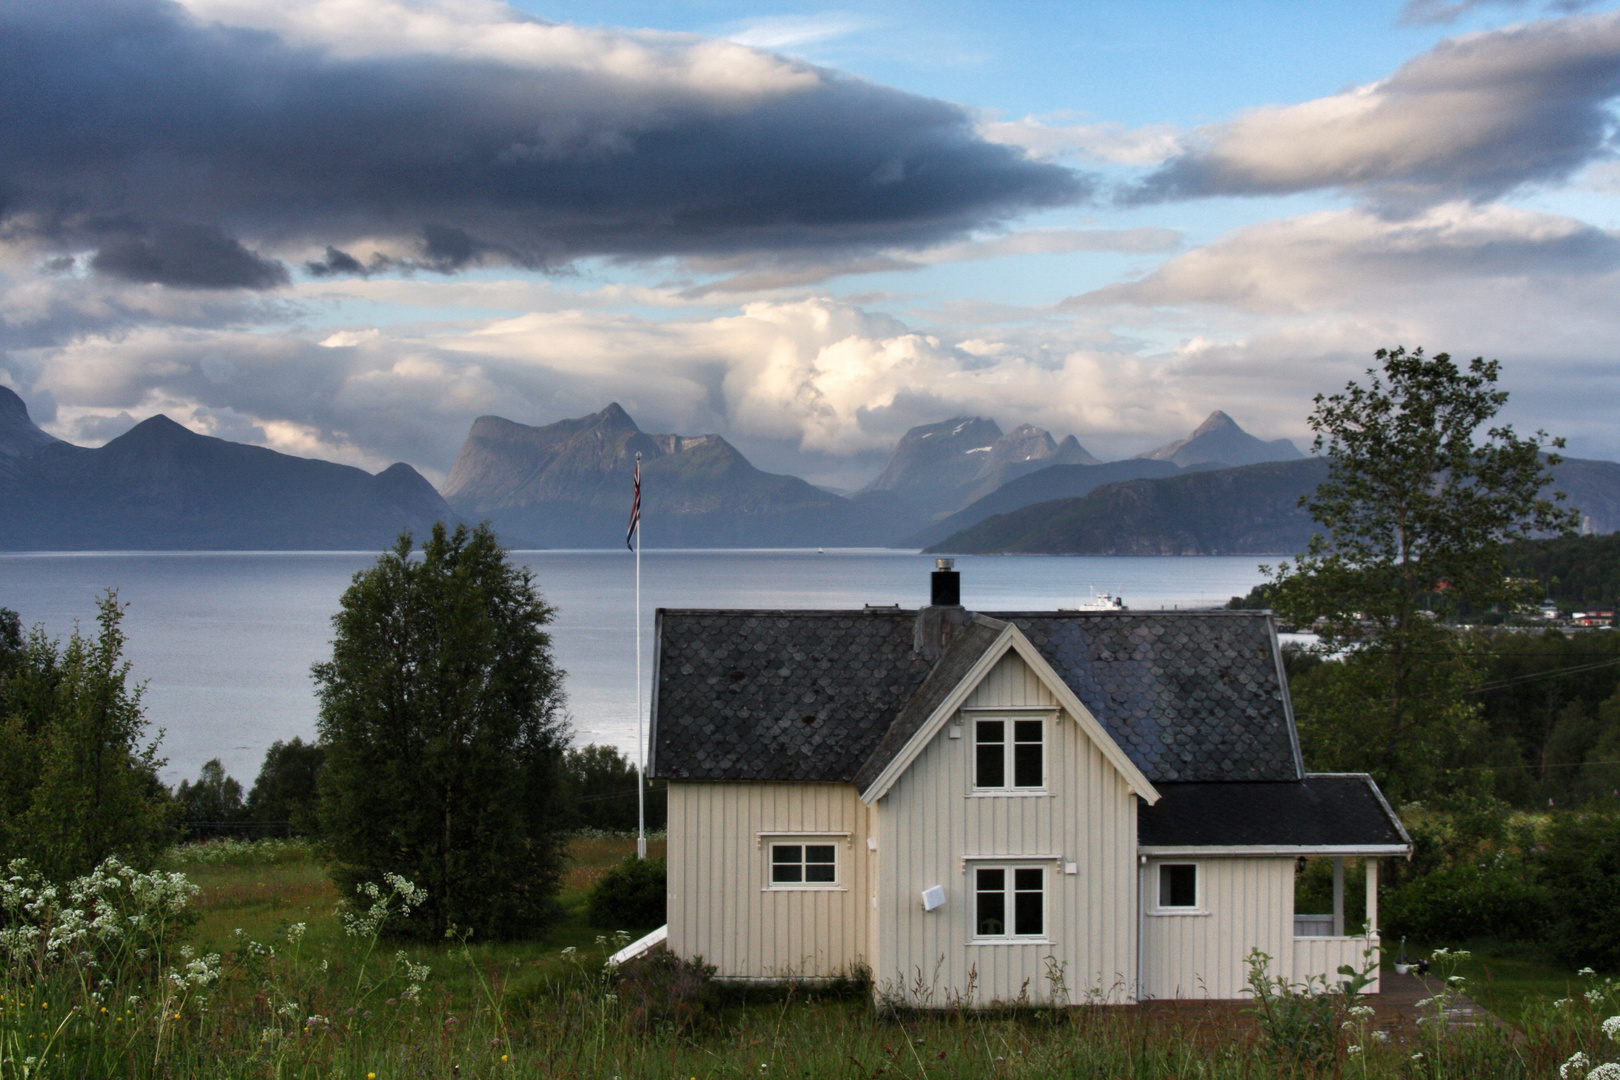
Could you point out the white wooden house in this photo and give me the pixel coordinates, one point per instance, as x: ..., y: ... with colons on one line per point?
x: 978, y: 808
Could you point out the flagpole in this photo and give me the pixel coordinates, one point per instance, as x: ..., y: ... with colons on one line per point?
x: 641, y: 746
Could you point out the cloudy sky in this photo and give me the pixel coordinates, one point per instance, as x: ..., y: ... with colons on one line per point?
x: 345, y: 228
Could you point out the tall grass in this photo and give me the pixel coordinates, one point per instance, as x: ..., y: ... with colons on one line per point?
x: 338, y: 999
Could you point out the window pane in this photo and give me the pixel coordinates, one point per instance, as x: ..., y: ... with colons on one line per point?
x: 1027, y: 771
x: 992, y: 906
x: 1027, y: 912
x: 992, y: 767
x: 1178, y: 885
x: 991, y: 731
x: 786, y: 853
x: 787, y: 872
x: 820, y: 863
x: 1027, y: 730
x: 1027, y: 879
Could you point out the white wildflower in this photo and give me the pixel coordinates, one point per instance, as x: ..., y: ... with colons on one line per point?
x: 1576, y: 1065
x: 1380, y: 1036
x: 1563, y: 1003
x: 295, y: 933
x: 569, y: 951
x: 1361, y: 1011
x: 1607, y: 1071
x: 1455, y: 980
x: 1594, y: 995
x: 1352, y: 1051
x: 1585, y: 971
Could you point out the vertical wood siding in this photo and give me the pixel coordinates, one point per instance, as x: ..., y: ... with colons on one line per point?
x: 929, y: 820
x: 1321, y: 957
x: 719, y: 906
x: 1250, y: 904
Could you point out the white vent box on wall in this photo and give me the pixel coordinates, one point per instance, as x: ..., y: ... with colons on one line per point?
x: 933, y: 897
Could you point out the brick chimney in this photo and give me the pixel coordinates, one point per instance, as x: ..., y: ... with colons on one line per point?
x: 938, y: 623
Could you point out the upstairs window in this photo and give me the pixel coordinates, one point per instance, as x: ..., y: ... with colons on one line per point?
x: 803, y: 865
x: 1009, y: 901
x: 1009, y: 750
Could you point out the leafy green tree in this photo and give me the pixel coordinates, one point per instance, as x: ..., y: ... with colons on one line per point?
x: 287, y: 788
x: 441, y: 713
x: 78, y: 781
x: 1421, y: 495
x: 213, y: 805
x: 599, y: 785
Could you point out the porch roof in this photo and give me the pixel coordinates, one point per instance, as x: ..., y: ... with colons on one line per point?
x: 1323, y: 814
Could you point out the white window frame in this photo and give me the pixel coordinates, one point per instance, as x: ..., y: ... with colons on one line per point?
x: 1156, y: 883
x: 1008, y: 750
x: 1009, y: 890
x: 772, y: 841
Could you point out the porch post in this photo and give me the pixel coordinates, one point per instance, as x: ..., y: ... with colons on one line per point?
x: 1338, y: 896
x: 1372, y: 895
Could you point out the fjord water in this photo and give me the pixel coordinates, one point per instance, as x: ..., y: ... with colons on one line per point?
x: 225, y: 640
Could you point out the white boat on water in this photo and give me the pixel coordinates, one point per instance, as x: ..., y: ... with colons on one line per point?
x: 1101, y: 602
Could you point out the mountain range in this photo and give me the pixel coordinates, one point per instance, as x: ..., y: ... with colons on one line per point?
x: 939, y: 468
x: 162, y: 486
x: 567, y: 484
x: 960, y: 485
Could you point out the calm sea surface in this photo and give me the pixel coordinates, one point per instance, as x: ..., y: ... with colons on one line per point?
x: 225, y: 640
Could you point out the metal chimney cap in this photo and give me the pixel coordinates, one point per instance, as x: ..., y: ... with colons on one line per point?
x: 944, y: 564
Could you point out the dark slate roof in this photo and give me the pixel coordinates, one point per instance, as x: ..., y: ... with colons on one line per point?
x: 1323, y: 810
x: 1187, y: 695
x: 958, y: 659
x: 778, y: 695
x: 811, y: 695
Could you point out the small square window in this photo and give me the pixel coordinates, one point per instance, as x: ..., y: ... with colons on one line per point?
x: 1178, y: 885
x: 1009, y: 749
x: 1009, y: 901
x: 804, y: 864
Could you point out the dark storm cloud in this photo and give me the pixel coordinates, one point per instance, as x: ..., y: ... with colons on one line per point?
x: 135, y: 115
x: 1473, y: 118
x: 188, y: 256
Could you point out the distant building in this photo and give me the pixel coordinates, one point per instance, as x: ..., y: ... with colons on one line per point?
x: 965, y: 803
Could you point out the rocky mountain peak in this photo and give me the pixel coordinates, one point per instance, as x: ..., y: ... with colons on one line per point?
x: 1219, y: 440
x: 19, y: 435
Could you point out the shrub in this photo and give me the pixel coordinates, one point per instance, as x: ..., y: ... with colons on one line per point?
x: 228, y: 851
x: 1494, y: 897
x: 630, y: 895
x: 1581, y: 868
x: 658, y: 988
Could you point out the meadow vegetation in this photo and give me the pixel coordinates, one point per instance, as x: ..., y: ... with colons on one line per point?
x: 241, y: 959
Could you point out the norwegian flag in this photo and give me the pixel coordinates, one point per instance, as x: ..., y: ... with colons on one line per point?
x: 635, y: 510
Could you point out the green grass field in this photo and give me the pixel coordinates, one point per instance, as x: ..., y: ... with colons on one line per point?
x: 261, y: 899
x: 323, y: 1004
